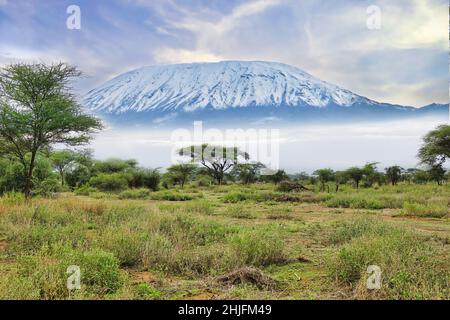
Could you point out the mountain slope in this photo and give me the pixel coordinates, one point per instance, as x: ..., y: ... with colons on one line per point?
x: 254, y: 89
x: 218, y: 85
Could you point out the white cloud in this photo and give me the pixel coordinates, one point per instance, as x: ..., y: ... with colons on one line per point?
x: 170, y: 55
x: 210, y: 34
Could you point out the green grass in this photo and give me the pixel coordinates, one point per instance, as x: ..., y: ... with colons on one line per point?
x: 425, y: 210
x: 411, y: 268
x: 183, y: 239
x: 169, y: 195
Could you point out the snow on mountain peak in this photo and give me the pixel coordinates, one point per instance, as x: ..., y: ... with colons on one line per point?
x: 220, y: 85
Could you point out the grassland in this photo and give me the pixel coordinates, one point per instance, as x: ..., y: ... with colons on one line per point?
x: 228, y: 242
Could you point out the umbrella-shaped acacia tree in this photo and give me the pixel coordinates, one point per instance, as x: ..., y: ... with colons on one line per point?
x: 216, y: 159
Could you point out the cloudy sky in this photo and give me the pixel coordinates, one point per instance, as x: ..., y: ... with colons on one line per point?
x: 405, y: 61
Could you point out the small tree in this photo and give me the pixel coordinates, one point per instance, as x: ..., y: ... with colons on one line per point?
x: 371, y: 174
x: 394, y: 174
x: 217, y: 160
x: 62, y: 160
x: 324, y: 176
x: 38, y: 110
x: 437, y: 173
x: 421, y: 176
x: 340, y: 177
x: 248, y: 172
x: 356, y: 174
x: 277, y: 177
x: 181, y: 172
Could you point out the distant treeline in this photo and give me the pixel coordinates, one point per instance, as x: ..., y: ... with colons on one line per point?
x: 68, y: 170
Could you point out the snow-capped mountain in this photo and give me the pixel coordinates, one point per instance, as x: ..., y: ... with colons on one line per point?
x: 244, y: 89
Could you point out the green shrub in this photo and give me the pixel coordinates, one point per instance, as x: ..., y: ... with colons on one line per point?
x: 85, y: 190
x: 47, y: 186
x: 236, y: 196
x: 109, y: 182
x: 203, y: 181
x: 135, y: 194
x: 146, y: 291
x: 425, y: 210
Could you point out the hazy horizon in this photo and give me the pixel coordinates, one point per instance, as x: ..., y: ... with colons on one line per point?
x: 303, y: 148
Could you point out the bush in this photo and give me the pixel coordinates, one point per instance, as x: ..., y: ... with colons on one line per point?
x: 48, y: 186
x: 236, y: 196
x: 204, y: 181
x: 85, y: 190
x: 134, y: 194
x: 425, y: 210
x: 146, y: 291
x: 109, y: 182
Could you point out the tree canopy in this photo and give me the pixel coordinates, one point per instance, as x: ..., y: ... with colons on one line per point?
x: 216, y: 159
x: 38, y: 110
x: 436, y: 147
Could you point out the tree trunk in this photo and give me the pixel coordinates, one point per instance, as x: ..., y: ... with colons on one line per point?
x: 29, y: 177
x: 61, y: 172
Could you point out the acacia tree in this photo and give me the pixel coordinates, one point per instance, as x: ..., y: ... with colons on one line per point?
x: 38, y: 110
x: 277, y: 177
x: 340, y: 177
x: 62, y: 160
x: 393, y: 174
x: 181, y: 172
x: 436, y: 151
x: 436, y: 147
x: 248, y: 172
x: 215, y: 159
x: 324, y: 176
x: 356, y: 174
